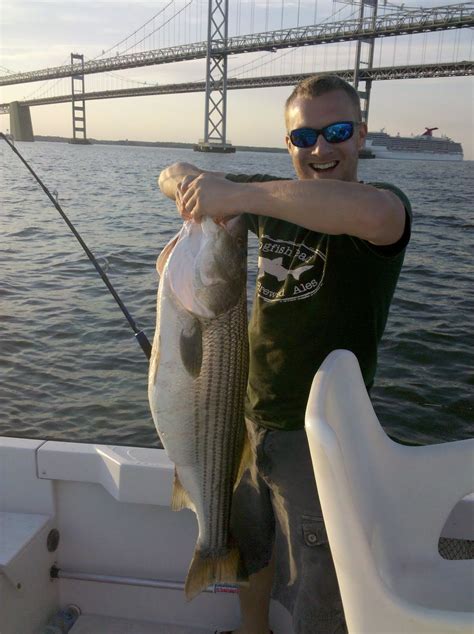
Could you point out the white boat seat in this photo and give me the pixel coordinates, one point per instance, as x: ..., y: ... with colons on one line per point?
x: 384, y: 506
x: 17, y: 531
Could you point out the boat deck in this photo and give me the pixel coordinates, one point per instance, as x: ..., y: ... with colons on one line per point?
x: 94, y: 624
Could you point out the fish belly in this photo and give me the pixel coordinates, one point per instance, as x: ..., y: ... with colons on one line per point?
x: 170, y: 386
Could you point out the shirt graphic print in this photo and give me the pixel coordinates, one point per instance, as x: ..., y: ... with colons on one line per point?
x: 289, y: 271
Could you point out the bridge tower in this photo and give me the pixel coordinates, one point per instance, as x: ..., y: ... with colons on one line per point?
x: 78, y: 103
x: 365, y: 57
x: 216, y: 81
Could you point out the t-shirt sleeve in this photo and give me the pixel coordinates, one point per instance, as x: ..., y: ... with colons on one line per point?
x: 390, y: 250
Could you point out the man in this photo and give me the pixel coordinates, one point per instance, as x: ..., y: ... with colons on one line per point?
x: 330, y: 252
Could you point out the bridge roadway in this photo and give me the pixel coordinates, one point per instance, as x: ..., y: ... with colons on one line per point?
x: 449, y: 69
x: 402, y: 22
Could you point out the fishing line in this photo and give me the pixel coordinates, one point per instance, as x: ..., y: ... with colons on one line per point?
x: 139, y: 334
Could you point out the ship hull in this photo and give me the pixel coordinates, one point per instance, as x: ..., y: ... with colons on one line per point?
x: 413, y: 156
x: 381, y: 145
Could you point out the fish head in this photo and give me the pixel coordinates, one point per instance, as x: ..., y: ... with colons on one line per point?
x: 221, y: 265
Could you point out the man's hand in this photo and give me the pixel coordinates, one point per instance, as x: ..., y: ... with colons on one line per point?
x: 180, y: 190
x: 171, y: 177
x: 209, y: 195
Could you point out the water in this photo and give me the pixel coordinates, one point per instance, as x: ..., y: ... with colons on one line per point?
x: 70, y: 366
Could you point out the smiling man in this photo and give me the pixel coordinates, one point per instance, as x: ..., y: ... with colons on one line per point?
x: 330, y: 253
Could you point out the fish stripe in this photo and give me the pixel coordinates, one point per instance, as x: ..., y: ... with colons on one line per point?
x: 224, y: 350
x: 226, y: 458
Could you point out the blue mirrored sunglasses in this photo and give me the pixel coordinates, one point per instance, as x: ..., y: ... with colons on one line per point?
x: 333, y: 133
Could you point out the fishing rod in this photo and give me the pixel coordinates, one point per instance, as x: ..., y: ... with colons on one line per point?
x: 139, y: 334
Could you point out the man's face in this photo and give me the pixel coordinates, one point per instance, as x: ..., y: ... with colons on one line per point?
x: 325, y: 160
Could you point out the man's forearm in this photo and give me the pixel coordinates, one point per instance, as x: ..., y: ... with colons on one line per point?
x: 331, y: 207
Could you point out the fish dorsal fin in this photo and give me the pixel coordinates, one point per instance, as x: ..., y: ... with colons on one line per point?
x: 245, y: 459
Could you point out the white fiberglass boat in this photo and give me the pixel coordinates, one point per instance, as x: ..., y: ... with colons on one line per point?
x: 91, y: 526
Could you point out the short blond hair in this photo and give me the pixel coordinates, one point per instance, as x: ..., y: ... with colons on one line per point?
x: 318, y: 85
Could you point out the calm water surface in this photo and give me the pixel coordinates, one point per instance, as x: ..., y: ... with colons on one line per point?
x: 70, y: 368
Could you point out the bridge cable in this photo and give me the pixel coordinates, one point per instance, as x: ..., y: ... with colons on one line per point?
x: 49, y: 84
x: 255, y: 62
x: 159, y: 27
x: 143, y: 39
x: 139, y: 334
x: 136, y: 31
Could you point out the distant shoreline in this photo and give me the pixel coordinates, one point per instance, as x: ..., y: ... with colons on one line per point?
x: 167, y: 144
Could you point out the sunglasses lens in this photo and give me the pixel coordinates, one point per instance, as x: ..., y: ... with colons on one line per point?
x: 304, y: 137
x: 338, y: 132
x: 334, y: 133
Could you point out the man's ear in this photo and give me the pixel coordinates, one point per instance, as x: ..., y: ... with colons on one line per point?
x: 362, y: 133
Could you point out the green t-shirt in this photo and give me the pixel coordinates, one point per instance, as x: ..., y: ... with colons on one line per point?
x: 314, y: 293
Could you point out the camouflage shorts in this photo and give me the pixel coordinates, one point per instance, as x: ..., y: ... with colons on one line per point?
x: 276, y: 504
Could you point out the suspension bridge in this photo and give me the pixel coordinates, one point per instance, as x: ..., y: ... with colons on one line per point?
x: 359, y: 39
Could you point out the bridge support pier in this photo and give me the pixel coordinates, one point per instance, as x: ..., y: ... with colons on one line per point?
x: 21, y: 127
x: 216, y: 81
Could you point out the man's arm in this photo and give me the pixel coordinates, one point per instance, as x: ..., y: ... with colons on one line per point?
x: 327, y: 206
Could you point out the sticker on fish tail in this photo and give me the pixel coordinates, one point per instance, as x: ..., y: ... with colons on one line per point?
x: 204, y: 572
x: 180, y: 498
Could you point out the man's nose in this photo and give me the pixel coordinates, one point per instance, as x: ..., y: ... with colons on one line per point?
x: 321, y: 146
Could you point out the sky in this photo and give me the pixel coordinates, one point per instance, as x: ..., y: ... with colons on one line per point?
x: 37, y: 34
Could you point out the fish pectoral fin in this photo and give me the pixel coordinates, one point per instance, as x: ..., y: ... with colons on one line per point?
x: 190, y: 348
x: 180, y: 498
x: 165, y: 254
x: 204, y: 571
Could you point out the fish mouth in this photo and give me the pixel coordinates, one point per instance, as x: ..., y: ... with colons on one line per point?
x: 328, y: 166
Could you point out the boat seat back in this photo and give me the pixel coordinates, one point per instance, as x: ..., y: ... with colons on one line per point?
x: 385, y: 506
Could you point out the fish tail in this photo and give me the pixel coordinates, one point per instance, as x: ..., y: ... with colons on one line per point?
x: 180, y: 498
x: 205, y: 571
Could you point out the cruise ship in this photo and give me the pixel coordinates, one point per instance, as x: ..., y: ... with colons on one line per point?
x: 422, y: 147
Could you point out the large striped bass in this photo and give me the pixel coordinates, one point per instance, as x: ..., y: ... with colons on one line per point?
x: 197, y: 383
